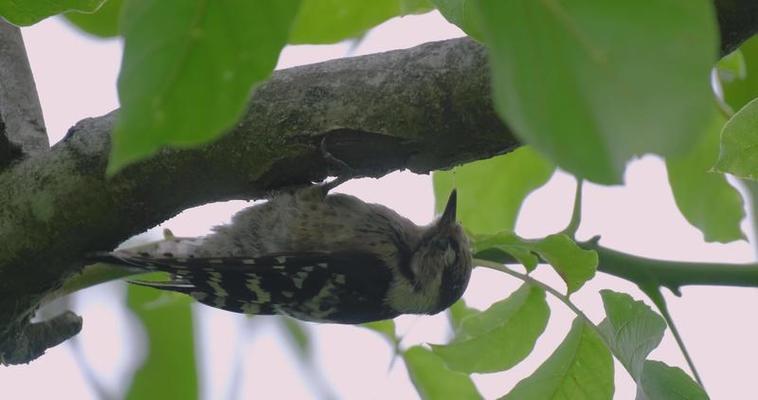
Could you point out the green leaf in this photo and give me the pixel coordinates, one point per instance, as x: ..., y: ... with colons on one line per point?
x: 631, y: 329
x: 102, y: 23
x: 573, y: 263
x: 739, y: 143
x: 705, y: 198
x: 662, y: 382
x: 330, y: 21
x: 458, y: 312
x: 593, y: 83
x: 738, y: 74
x: 490, y: 192
x: 580, y: 368
x: 433, y: 380
x: 501, y: 336
x: 169, y: 371
x: 189, y: 67
x: 298, y: 334
x: 30, y: 12
x: 463, y: 14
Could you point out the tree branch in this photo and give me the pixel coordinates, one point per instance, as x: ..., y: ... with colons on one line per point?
x: 22, y: 128
x: 58, y: 205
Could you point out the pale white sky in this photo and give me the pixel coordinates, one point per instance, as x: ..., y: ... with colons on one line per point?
x: 76, y: 78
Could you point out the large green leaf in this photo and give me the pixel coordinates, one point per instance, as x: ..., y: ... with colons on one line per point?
x: 434, y: 381
x: 739, y: 143
x: 490, y: 192
x: 169, y: 371
x: 580, y: 368
x: 593, y: 83
x: 32, y: 11
x: 463, y: 14
x: 329, y: 21
x: 189, y: 67
x: 573, y: 263
x: 705, y: 198
x: 102, y: 23
x: 662, y: 382
x: 631, y: 329
x: 501, y: 336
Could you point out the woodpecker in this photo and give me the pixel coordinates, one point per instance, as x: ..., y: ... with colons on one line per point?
x: 315, y: 256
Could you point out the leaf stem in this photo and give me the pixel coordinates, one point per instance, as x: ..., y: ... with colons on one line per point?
x: 576, y: 213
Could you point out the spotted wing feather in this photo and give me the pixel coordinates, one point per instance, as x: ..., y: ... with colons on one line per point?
x: 344, y: 287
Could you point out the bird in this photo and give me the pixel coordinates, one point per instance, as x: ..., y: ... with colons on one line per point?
x: 316, y: 256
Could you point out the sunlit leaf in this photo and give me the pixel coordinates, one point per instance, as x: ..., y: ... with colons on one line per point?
x: 739, y: 143
x: 329, y: 21
x: 738, y: 75
x: 580, y: 368
x: 501, y: 336
x: 592, y: 84
x: 102, y: 23
x: 433, y: 380
x: 458, y: 312
x: 573, y: 263
x: 490, y: 192
x: 662, y: 382
x: 32, y: 11
x: 704, y: 197
x: 189, y: 67
x: 631, y: 329
x: 169, y: 372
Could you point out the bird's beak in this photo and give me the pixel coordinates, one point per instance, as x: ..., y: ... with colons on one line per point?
x: 448, y: 216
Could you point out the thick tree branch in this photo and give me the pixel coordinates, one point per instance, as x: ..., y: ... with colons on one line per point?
x: 22, y: 128
x: 58, y: 205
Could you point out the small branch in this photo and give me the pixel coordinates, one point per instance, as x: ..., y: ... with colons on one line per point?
x: 576, y: 213
x: 34, y: 339
x: 20, y: 111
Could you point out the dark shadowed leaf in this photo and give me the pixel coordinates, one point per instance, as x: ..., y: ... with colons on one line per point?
x: 434, y: 381
x: 580, y: 368
x: 169, y: 371
x: 102, y: 23
x: 189, y: 67
x: 490, y: 192
x: 32, y: 11
x: 585, y: 85
x: 501, y: 336
x: 704, y: 197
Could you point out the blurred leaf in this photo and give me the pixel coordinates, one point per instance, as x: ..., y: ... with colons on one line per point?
x: 433, y: 380
x: 631, y: 329
x: 458, y: 312
x: 298, y: 334
x: 462, y: 14
x: 169, y: 371
x: 662, y: 382
x: 738, y: 74
x: 102, y: 23
x: 580, y: 368
x: 705, y: 198
x: 585, y: 85
x: 385, y: 328
x: 501, y: 336
x: 330, y: 21
x: 189, y: 67
x: 739, y: 143
x: 32, y: 11
x: 490, y: 192
x: 573, y: 263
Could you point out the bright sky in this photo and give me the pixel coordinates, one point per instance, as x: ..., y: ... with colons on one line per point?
x: 76, y: 78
